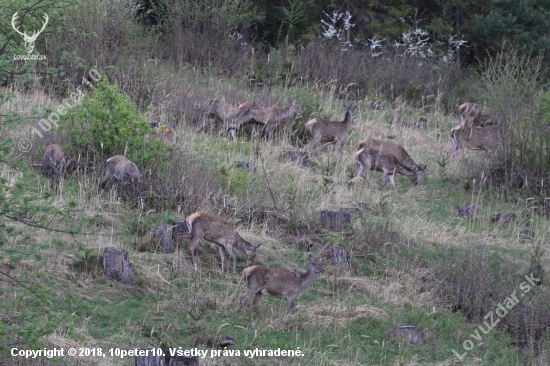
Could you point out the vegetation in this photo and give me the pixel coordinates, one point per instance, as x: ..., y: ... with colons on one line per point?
x: 414, y: 261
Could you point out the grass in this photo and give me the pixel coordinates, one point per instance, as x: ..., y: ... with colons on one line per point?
x: 344, y: 318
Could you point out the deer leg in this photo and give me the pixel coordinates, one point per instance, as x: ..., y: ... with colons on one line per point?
x: 192, y: 247
x: 233, y: 258
x: 245, y: 299
x: 221, y: 250
x: 233, y: 136
x: 257, y: 298
x: 392, y: 180
x: 290, y: 304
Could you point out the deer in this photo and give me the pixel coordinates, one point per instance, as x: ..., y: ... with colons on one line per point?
x: 389, y: 148
x: 29, y: 40
x: 233, y: 117
x: 123, y: 171
x: 474, y: 138
x: 368, y: 159
x: 202, y: 225
x: 472, y: 114
x: 53, y: 162
x: 166, y: 134
x: 278, y: 282
x: 336, y: 132
x: 273, y: 116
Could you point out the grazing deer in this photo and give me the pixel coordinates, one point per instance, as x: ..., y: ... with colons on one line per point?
x: 398, y: 151
x: 215, y: 230
x: 54, y: 162
x: 278, y: 282
x: 233, y: 117
x: 331, y: 131
x: 472, y: 114
x: 368, y: 159
x: 123, y: 171
x: 273, y: 116
x: 166, y: 134
x: 474, y: 138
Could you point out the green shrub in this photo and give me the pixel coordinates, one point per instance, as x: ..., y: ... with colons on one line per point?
x: 108, y: 123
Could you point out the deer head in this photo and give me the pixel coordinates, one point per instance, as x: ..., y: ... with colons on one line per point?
x: 29, y: 40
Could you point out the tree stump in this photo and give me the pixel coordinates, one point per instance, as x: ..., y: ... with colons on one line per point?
x: 162, y: 239
x: 467, y: 211
x: 409, y: 334
x: 336, y: 221
x: 150, y: 360
x: 301, y: 157
x: 504, y: 218
x: 340, y: 255
x: 116, y: 265
x: 184, y: 361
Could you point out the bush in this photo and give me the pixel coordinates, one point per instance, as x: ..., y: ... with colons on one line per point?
x: 108, y: 124
x: 511, y: 86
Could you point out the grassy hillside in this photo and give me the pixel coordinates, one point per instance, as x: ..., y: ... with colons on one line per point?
x: 414, y: 260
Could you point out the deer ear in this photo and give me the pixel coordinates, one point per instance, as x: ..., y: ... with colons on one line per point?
x: 256, y: 246
x: 344, y: 104
x: 292, y: 100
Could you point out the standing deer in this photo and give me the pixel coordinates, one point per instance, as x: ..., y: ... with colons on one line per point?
x: 389, y: 148
x: 233, y: 117
x: 215, y: 230
x: 54, y: 162
x: 331, y: 131
x: 273, y: 116
x: 123, y: 171
x: 368, y: 159
x: 474, y: 138
x: 278, y: 282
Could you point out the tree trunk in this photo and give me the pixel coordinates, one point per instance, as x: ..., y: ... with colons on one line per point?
x: 116, y: 265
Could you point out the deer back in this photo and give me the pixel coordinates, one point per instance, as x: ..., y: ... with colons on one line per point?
x: 212, y: 228
x: 393, y: 149
x: 386, y: 163
x: 477, y: 138
x: 122, y: 168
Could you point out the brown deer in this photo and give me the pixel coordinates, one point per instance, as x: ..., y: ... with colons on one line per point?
x: 54, y: 163
x: 368, y: 159
x: 166, y: 133
x: 123, y: 171
x: 331, y: 131
x: 474, y: 138
x: 274, y: 117
x: 215, y: 230
x: 278, y: 282
x: 472, y: 114
x: 398, y: 151
x: 233, y: 118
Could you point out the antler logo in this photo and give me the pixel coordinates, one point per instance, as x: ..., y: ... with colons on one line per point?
x: 29, y: 40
